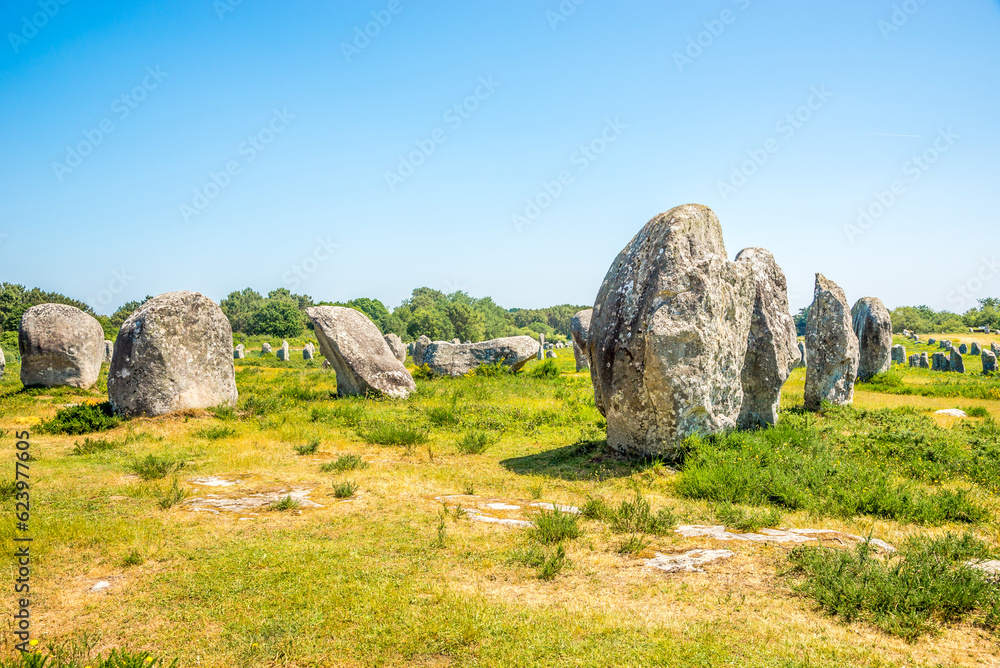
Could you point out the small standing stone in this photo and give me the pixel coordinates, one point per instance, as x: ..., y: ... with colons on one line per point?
x: 914, y: 360
x: 283, y: 351
x: 957, y: 363
x: 265, y: 349
x: 940, y: 363
x: 550, y: 354
x: 925, y: 362
x: 899, y: 354
x: 109, y: 351
x: 308, y: 351
x: 975, y: 349
x: 989, y: 362
x: 931, y: 342
x: 963, y: 349
x: 834, y: 351
x: 239, y: 352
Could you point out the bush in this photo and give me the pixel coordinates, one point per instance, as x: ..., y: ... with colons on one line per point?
x: 473, y: 443
x: 423, y: 372
x: 287, y: 503
x: 631, y: 517
x: 553, y: 565
x: 154, y: 468
x: 555, y: 527
x: 547, y: 369
x: 345, y: 490
x: 925, y: 585
x: 977, y: 412
x: 388, y: 433
x: 309, y: 448
x: 93, y: 446
x: 344, y: 463
x: 493, y: 370
x: 81, y: 419
x: 215, y: 433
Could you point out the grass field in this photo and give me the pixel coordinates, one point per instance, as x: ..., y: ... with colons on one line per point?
x: 360, y: 554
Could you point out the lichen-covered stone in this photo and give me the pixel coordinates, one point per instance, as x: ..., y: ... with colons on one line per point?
x: 396, y: 346
x: 579, y: 329
x: 450, y: 359
x: 832, y: 346
x: 669, y: 333
x: 60, y: 345
x: 173, y: 353
x: 359, y: 355
x: 772, y: 346
x: 873, y: 327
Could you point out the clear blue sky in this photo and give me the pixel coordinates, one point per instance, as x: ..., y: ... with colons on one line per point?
x: 331, y: 122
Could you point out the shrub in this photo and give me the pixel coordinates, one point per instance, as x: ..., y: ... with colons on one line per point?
x: 260, y: 405
x: 442, y: 416
x: 547, y: 369
x: 287, y: 503
x: 634, y: 544
x: 81, y: 419
x: 309, y: 448
x: 344, y: 463
x: 8, y: 488
x: 154, y: 468
x: 925, y: 585
x: 223, y: 412
x: 345, y: 490
x: 977, y: 412
x: 389, y: 433
x: 133, y: 558
x: 554, y: 564
x: 473, y: 443
x: 174, y: 495
x: 555, y: 526
x: 493, y: 370
x: 423, y: 372
x: 636, y: 516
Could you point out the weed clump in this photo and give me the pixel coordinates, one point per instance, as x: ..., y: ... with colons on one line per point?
x: 345, y: 490
x: 154, y: 468
x: 473, y: 443
x: 286, y: 503
x: 81, y: 419
x: 735, y: 517
x: 390, y: 433
x: 309, y: 448
x: 555, y: 527
x: 344, y: 463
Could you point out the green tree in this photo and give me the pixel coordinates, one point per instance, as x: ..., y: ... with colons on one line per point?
x: 277, y: 317
x: 240, y: 308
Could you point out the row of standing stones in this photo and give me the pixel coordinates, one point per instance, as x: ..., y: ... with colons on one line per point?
x: 680, y: 341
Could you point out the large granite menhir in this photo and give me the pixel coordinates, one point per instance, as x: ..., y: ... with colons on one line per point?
x: 669, y: 335
x: 175, y: 352
x: 873, y: 326
x: 60, y: 345
x: 359, y: 355
x: 457, y: 359
x: 832, y: 346
x: 579, y: 328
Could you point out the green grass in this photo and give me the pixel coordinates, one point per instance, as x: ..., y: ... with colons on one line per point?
x: 631, y: 516
x: 153, y: 467
x: 473, y: 443
x: 215, y: 432
x: 95, y: 445
x: 284, y: 503
x: 391, y: 433
x: 734, y: 517
x: 555, y: 527
x: 80, y: 419
x: 309, y: 448
x: 916, y: 591
x: 114, y: 659
x: 171, y: 496
x: 794, y: 467
x: 344, y: 463
x: 345, y: 489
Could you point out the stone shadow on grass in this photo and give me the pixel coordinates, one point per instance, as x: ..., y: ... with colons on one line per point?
x: 583, y: 460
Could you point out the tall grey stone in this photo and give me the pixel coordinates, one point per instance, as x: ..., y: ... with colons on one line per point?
x: 975, y: 349
x: 396, y: 346
x: 989, y: 361
x: 832, y: 346
x: 914, y: 360
x: 669, y: 333
x: 772, y: 346
x: 109, y: 349
x: 957, y: 362
x: 579, y: 330
x: 449, y: 359
x: 419, y: 346
x: 925, y: 362
x: 239, y: 352
x: 541, y: 346
x: 358, y: 354
x: 173, y: 353
x: 283, y: 352
x: 801, y: 364
x: 899, y: 354
x: 59, y: 345
x: 308, y: 351
x: 873, y: 327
